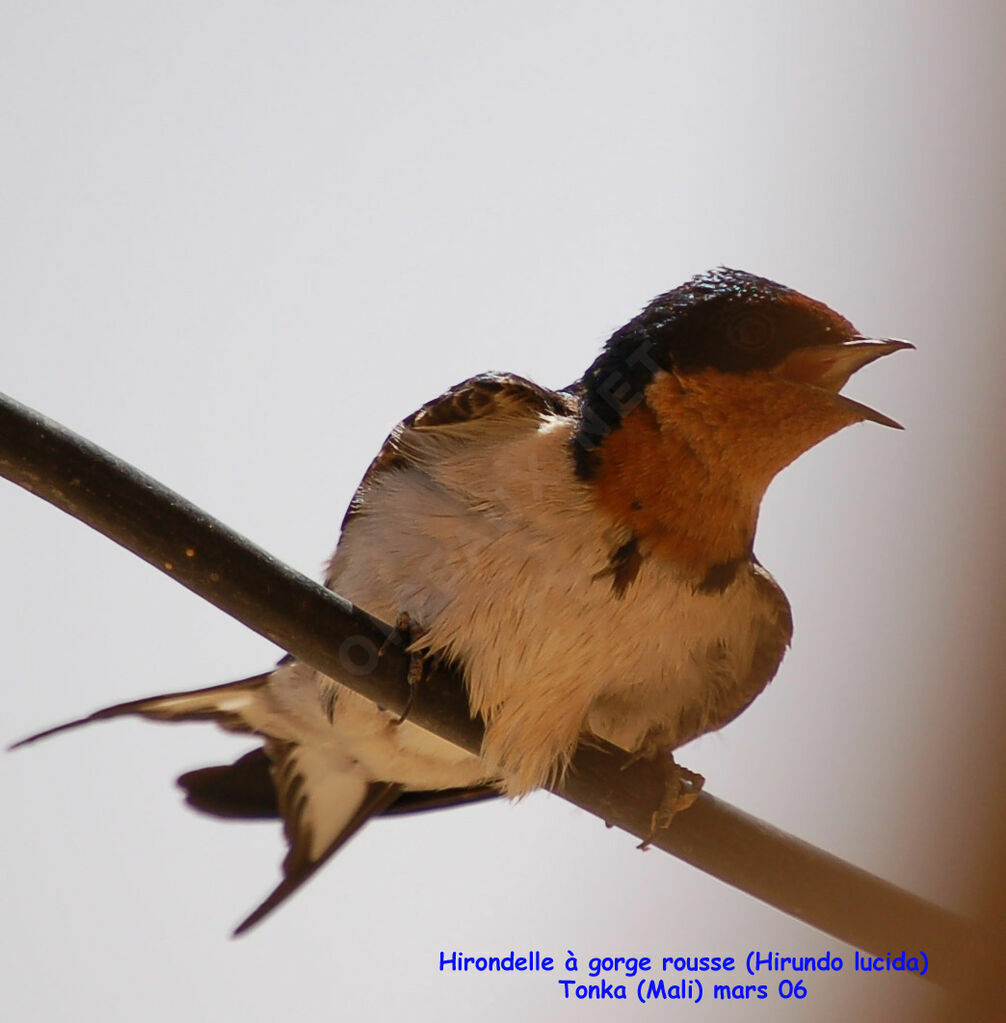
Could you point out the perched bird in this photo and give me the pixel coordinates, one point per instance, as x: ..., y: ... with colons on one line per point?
x: 584, y: 557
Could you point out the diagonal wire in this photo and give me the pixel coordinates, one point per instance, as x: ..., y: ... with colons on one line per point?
x: 326, y: 631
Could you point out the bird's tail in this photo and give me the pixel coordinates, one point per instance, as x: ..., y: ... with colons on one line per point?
x: 321, y: 794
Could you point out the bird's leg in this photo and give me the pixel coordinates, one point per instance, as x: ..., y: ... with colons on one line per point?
x: 681, y: 786
x: 405, y: 633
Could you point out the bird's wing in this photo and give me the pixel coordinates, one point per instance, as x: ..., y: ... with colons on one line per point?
x: 322, y: 808
x: 491, y: 405
x: 498, y: 397
x: 243, y: 790
x: 773, y: 637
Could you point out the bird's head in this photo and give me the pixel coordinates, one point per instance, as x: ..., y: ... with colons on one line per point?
x: 710, y: 391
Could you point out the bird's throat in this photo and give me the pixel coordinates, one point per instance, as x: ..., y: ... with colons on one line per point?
x: 687, y: 468
x: 658, y: 485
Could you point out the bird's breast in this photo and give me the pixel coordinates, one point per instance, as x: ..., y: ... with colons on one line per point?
x: 506, y: 564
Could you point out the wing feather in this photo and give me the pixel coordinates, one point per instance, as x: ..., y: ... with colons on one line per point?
x: 488, y: 403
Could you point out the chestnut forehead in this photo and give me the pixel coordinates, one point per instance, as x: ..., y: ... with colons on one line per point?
x: 817, y: 312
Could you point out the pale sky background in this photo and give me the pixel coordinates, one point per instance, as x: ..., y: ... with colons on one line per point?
x: 240, y: 240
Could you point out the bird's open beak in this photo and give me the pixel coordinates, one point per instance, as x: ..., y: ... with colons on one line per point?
x: 830, y: 366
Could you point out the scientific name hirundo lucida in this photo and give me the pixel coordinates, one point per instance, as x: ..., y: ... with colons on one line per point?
x: 606, y: 975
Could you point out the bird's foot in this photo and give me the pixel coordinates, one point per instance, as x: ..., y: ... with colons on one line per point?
x: 405, y: 633
x: 400, y: 635
x: 681, y: 789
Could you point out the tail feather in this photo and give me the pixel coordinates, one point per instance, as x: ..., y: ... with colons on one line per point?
x: 414, y: 801
x: 227, y: 704
x: 322, y: 807
x: 318, y: 790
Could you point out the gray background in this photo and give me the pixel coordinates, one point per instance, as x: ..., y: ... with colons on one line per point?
x: 240, y: 240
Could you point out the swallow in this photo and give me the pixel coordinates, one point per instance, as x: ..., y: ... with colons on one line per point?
x: 583, y: 557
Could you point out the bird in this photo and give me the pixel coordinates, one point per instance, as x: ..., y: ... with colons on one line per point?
x: 583, y: 557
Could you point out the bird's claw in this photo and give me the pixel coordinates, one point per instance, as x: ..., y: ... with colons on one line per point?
x: 681, y: 789
x: 417, y: 668
x: 404, y: 633
x: 400, y: 635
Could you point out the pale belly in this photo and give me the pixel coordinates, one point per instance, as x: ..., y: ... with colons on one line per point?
x: 548, y: 647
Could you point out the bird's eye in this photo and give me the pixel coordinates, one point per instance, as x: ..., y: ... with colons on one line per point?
x: 751, y: 332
